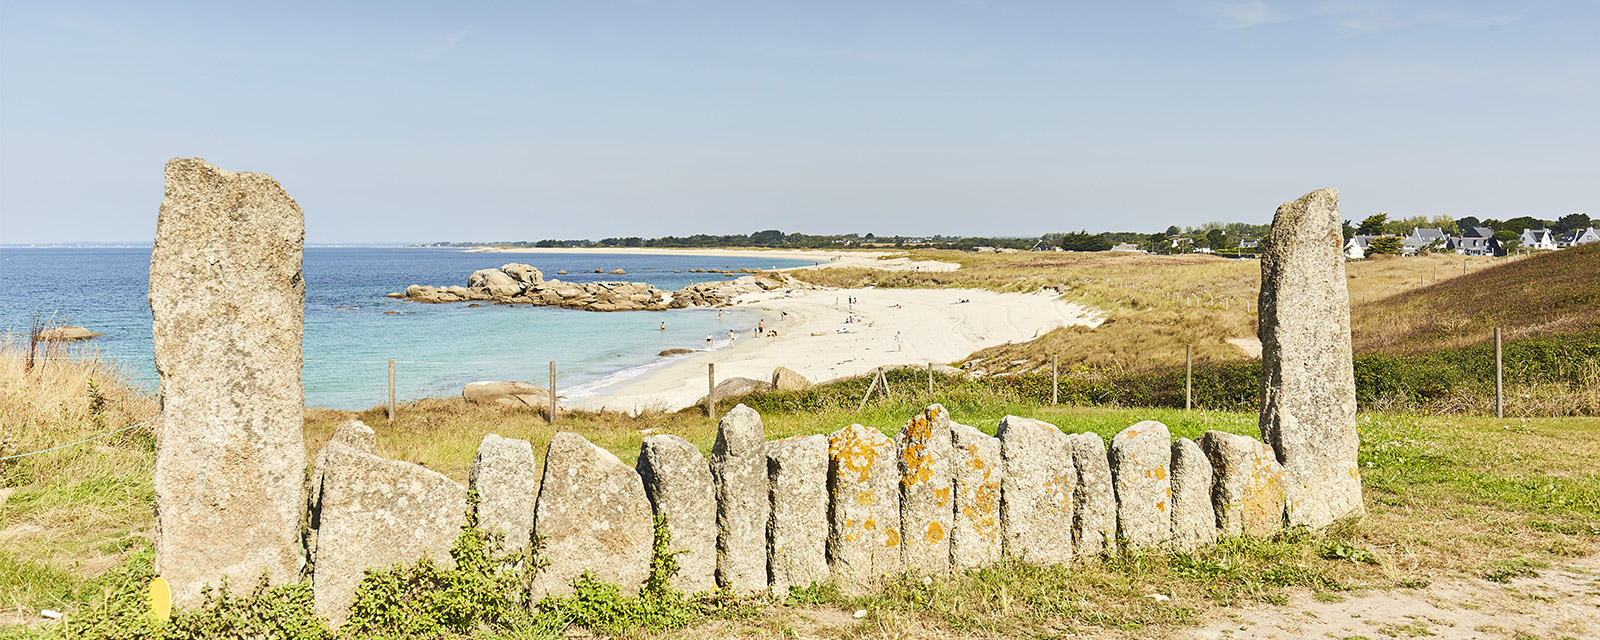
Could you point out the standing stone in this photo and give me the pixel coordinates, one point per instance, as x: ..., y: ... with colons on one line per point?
x: 975, y: 534
x: 1248, y: 492
x: 1140, y: 459
x: 1308, y: 391
x: 375, y: 513
x: 228, y: 303
x: 1194, y: 521
x: 739, y: 473
x: 350, y: 433
x: 678, y: 483
x: 506, y: 477
x: 926, y: 510
x: 1095, y: 527
x: 797, y: 534
x: 864, y: 513
x: 593, y: 517
x: 1037, y: 483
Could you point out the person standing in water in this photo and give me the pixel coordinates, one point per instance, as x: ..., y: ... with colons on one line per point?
x: 663, y: 326
x: 731, y: 338
x: 708, y: 341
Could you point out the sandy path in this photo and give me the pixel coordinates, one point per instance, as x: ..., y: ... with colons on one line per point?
x: 935, y: 325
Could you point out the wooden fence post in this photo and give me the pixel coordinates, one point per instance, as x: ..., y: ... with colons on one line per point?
x: 552, y: 411
x: 711, y: 390
x: 930, y: 379
x: 868, y: 394
x: 1188, y: 377
x: 391, y: 391
x: 1499, y: 388
x: 1055, y: 379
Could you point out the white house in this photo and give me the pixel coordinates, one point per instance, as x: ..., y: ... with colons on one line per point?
x: 1538, y: 239
x: 1356, y: 247
x: 1127, y: 246
x: 1580, y: 236
x: 1421, y: 238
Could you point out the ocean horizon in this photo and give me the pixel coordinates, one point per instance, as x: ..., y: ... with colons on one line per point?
x: 352, y: 330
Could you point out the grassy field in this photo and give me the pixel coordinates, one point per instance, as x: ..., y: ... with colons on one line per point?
x: 1447, y: 496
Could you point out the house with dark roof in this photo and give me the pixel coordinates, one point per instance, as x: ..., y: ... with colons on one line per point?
x: 1576, y: 237
x: 1474, y: 245
x: 1539, y: 239
x: 1477, y: 232
x: 1422, y: 238
x: 1356, y: 247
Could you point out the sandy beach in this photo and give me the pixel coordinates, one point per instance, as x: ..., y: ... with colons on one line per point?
x: 821, y: 259
x: 815, y: 339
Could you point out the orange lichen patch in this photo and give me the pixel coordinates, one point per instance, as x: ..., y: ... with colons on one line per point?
x: 917, y: 459
x: 891, y: 538
x: 1157, y: 473
x: 853, y: 453
x: 870, y: 524
x: 1161, y: 506
x: 866, y: 498
x: 974, y: 462
x: 935, y: 533
x: 942, y: 496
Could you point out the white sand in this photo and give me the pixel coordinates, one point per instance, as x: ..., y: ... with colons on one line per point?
x: 936, y: 328
x: 820, y: 258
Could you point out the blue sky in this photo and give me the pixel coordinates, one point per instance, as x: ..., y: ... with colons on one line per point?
x: 397, y: 122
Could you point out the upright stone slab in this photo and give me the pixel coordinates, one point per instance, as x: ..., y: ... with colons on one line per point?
x: 375, y: 513
x: 1036, y: 487
x: 350, y: 433
x: 678, y: 483
x: 1141, y: 457
x: 1194, y: 521
x: 864, y: 512
x: 797, y: 534
x: 228, y: 303
x: 975, y: 534
x: 1308, y: 392
x: 593, y: 517
x: 506, y: 477
x: 1094, y: 530
x: 1247, y: 493
x: 739, y: 474
x: 926, y: 510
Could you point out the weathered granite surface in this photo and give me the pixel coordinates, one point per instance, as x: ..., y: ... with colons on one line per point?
x: 1247, y: 493
x: 351, y: 433
x: 1094, y: 530
x: 1194, y: 521
x: 864, y: 517
x: 1308, y: 393
x: 797, y: 532
x: 739, y: 474
x: 228, y: 302
x: 678, y: 482
x: 593, y: 516
x: 975, y: 532
x: 516, y: 283
x: 1037, y: 486
x: 377, y: 512
x: 506, y: 476
x: 926, y: 510
x: 1141, y: 459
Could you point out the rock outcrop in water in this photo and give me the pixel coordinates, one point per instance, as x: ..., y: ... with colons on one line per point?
x: 517, y: 283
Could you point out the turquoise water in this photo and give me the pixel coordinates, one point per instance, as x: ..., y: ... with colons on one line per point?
x: 349, y: 339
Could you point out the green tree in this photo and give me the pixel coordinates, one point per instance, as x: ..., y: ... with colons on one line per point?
x: 1571, y: 221
x: 1389, y: 245
x: 1373, y: 225
x: 1468, y: 222
x: 1215, y: 239
x: 1084, y: 241
x: 1509, y: 240
x: 1174, y: 230
x: 1158, y: 243
x: 1349, y: 230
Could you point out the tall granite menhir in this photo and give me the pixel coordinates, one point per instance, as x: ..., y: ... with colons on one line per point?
x: 1308, y: 392
x: 228, y: 303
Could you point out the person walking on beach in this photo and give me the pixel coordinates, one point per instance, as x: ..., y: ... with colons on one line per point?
x: 708, y: 341
x: 899, y: 342
x: 761, y: 326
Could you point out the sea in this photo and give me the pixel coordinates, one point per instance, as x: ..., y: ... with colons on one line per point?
x: 352, y: 330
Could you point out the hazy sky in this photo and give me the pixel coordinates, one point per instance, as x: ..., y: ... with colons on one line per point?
x: 528, y: 120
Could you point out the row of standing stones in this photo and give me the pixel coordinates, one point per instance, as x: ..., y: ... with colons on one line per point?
x: 227, y: 299
x: 854, y: 507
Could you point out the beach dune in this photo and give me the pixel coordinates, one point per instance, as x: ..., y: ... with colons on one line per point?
x: 823, y: 336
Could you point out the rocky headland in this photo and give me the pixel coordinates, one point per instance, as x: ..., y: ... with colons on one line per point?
x: 517, y: 283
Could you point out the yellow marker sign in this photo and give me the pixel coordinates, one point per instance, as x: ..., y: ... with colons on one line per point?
x: 160, y: 599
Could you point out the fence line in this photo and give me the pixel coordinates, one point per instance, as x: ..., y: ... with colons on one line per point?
x: 74, y: 444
